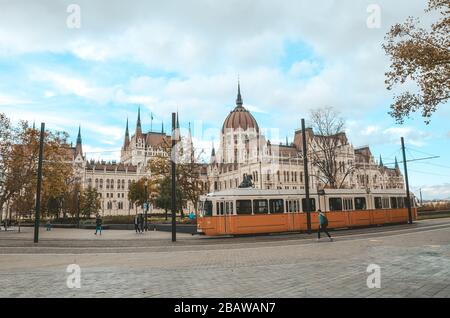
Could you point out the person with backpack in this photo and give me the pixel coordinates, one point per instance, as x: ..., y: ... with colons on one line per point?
x: 98, y: 224
x: 323, y: 224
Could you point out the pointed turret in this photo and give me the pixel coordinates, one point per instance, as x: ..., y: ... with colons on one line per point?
x: 381, y: 162
x: 213, y: 154
x: 287, y: 143
x: 162, y: 127
x: 126, y: 142
x: 78, y: 147
x: 190, y: 144
x: 138, y: 133
x: 396, y: 164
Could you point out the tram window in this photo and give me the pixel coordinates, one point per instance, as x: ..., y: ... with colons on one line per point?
x: 207, y: 208
x: 227, y: 207
x: 385, y: 202
x: 360, y: 204
x: 243, y: 207
x: 401, y: 202
x: 276, y: 206
x: 231, y: 208
x: 378, y: 204
x: 348, y: 204
x: 260, y: 206
x: 222, y: 210
x: 312, y: 205
x: 393, y: 202
x: 217, y: 208
x: 296, y: 206
x: 335, y: 204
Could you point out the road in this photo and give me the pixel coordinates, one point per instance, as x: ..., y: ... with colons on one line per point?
x: 414, y: 261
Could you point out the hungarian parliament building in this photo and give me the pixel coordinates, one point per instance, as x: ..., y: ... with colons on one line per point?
x: 243, y: 150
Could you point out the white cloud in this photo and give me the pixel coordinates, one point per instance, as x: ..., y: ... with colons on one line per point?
x: 100, y: 153
x: 431, y: 192
x: 303, y: 68
x: 8, y: 100
x: 362, y: 134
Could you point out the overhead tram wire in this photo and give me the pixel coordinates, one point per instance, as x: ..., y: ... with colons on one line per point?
x: 436, y: 165
x: 422, y: 152
x: 429, y: 173
x: 412, y: 160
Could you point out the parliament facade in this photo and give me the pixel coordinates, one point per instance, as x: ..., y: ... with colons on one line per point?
x: 243, y: 150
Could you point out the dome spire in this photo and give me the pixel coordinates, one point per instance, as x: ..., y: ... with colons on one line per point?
x: 239, y: 102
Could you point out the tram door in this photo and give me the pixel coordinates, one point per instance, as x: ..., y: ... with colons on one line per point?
x: 290, y: 208
x: 224, y: 210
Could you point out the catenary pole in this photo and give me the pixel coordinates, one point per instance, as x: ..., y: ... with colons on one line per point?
x: 305, y: 168
x: 173, y: 155
x: 408, y: 197
x: 37, y: 218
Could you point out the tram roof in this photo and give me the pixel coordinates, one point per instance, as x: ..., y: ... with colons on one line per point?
x: 283, y: 192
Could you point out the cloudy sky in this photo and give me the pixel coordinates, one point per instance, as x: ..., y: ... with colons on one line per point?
x: 291, y: 57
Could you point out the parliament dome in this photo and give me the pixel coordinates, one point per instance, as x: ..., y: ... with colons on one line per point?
x: 240, y: 117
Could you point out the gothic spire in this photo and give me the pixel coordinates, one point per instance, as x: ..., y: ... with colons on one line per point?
x: 78, y: 147
x: 381, y: 162
x: 396, y: 164
x: 127, y: 137
x: 213, y: 154
x: 138, y: 133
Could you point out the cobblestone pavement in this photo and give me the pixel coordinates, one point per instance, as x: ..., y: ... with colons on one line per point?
x: 414, y: 261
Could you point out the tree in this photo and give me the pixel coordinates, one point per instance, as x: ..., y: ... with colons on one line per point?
x: 19, y: 166
x: 6, y: 141
x: 327, y: 143
x: 89, y: 202
x: 138, y: 194
x: 164, y: 197
x: 421, y: 56
x: 188, y: 171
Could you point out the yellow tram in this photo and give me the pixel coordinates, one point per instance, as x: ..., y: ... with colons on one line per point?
x: 251, y: 211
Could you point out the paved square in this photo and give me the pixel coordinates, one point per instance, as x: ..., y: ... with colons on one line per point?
x: 414, y: 261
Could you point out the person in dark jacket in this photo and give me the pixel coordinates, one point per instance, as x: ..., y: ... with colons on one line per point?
x: 98, y: 224
x: 136, y: 224
x: 141, y: 223
x: 323, y: 224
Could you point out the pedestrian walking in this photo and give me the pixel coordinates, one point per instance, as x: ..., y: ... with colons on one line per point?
x: 141, y: 222
x: 323, y: 224
x: 98, y: 224
x: 136, y: 223
x: 48, y: 226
